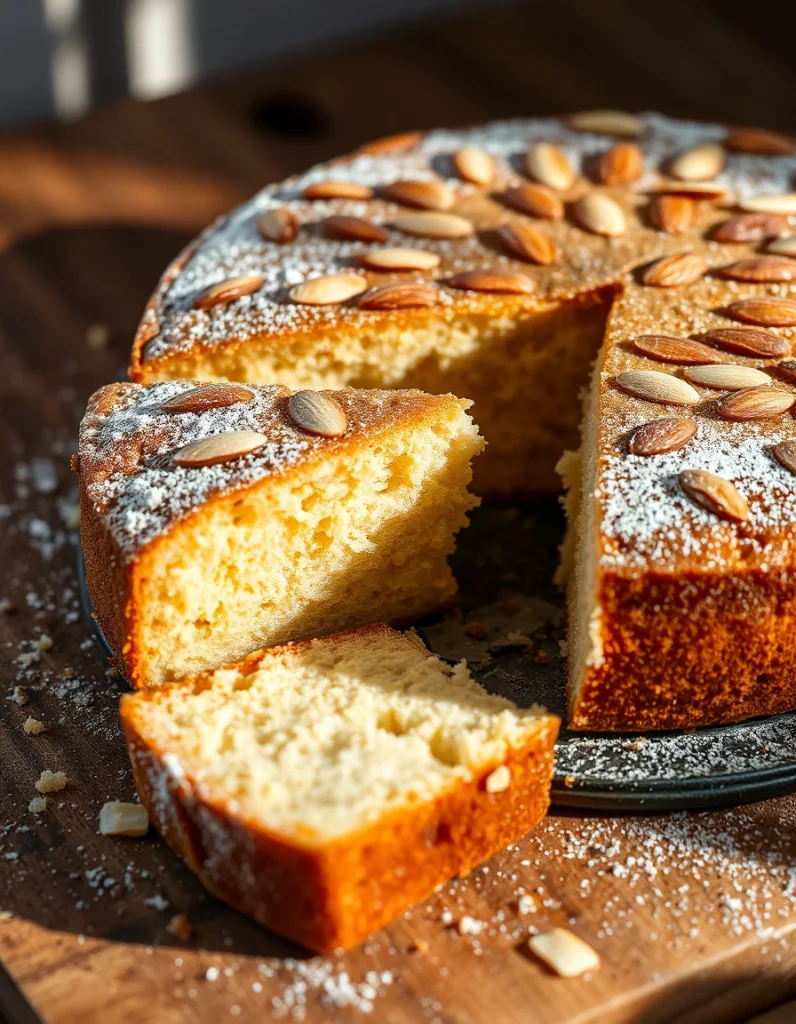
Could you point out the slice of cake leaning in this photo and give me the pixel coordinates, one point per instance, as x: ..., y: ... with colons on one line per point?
x: 216, y: 520
x: 325, y: 786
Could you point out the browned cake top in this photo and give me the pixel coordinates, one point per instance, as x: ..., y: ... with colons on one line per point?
x: 547, y: 209
x: 149, y: 456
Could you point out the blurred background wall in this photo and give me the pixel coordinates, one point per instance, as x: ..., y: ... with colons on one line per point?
x: 59, y: 57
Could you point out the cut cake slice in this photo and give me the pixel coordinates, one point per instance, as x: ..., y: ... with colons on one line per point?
x: 219, y: 519
x: 325, y: 786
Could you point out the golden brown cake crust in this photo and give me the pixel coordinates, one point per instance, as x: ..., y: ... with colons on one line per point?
x: 332, y: 895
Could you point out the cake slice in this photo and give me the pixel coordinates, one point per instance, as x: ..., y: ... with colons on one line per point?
x: 219, y: 519
x: 323, y: 787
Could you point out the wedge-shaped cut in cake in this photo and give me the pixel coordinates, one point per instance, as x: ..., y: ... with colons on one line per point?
x: 325, y: 786
x: 656, y: 247
x: 218, y: 520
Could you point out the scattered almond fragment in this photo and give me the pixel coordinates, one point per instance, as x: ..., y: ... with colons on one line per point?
x: 119, y: 818
x: 655, y: 386
x: 180, y: 927
x: 749, y: 341
x: 765, y: 311
x: 727, y: 376
x: 783, y: 203
x: 535, y: 200
x: 499, y: 780
x: 33, y: 727
x: 353, y: 229
x: 750, y: 227
x: 208, y: 396
x: 51, y: 782
x: 434, y: 224
x: 398, y: 258
x: 526, y: 243
x: 761, y: 269
x: 676, y: 350
x: 565, y: 953
x: 764, y: 402
x: 785, y: 246
x: 400, y: 295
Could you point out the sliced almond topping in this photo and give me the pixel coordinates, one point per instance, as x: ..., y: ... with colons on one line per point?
x: 208, y: 396
x: 220, y: 448
x: 434, y: 225
x: 783, y: 246
x: 499, y: 780
x: 549, y: 166
x: 621, y: 164
x: 402, y: 295
x: 676, y: 350
x: 750, y: 227
x: 398, y: 143
x: 673, y: 214
x: 767, y: 311
x: 749, y: 341
x: 564, y: 952
x: 708, y: 191
x: 400, y: 259
x: 425, y: 195
x: 661, y: 436
x: 758, y: 140
x: 229, y: 290
x: 785, y: 453
x: 727, y: 377
x: 118, y: 818
x: 278, y: 224
x: 760, y: 403
x: 606, y: 122
x: 714, y: 494
x: 527, y: 243
x: 700, y: 163
x: 654, y: 386
x: 317, y: 414
x: 354, y: 229
x: 600, y: 214
x: 783, y: 204
x: 327, y: 291
x: 474, y: 165
x: 535, y: 200
x: 337, y: 190
x: 677, y: 269
x: 761, y: 269
x: 492, y: 281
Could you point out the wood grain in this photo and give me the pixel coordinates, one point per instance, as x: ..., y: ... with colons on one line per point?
x: 693, y: 916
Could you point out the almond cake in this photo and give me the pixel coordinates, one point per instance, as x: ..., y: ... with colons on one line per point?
x: 218, y: 519
x: 641, y: 262
x: 325, y: 786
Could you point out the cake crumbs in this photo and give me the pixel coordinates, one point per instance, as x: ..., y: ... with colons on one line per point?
x: 51, y: 782
x: 33, y: 727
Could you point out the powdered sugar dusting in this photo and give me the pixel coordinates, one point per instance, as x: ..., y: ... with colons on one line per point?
x: 126, y: 450
x: 234, y: 245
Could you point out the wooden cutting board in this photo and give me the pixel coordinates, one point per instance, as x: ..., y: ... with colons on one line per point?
x: 693, y: 915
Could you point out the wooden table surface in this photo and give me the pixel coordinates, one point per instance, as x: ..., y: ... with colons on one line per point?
x: 693, y: 915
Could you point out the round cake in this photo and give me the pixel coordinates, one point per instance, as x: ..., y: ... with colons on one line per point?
x: 501, y: 263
